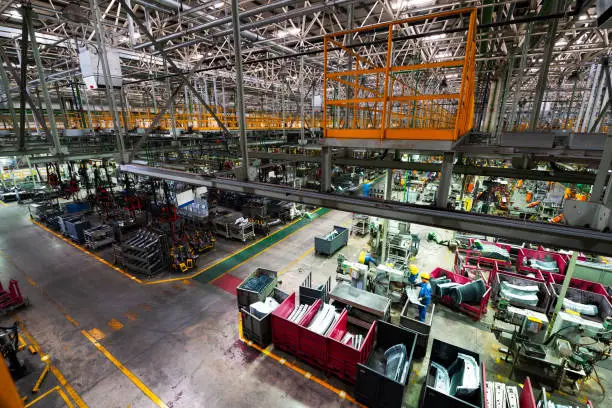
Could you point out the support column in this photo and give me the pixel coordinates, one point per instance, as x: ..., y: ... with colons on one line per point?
x: 244, y: 153
x: 326, y: 168
x: 6, y: 87
x: 172, y: 108
x: 543, y: 78
x: 502, y: 104
x: 385, y: 230
x: 597, y: 193
x: 27, y: 16
x: 519, y: 79
x: 107, y: 78
x: 446, y: 177
x: 568, y: 277
x: 302, y: 118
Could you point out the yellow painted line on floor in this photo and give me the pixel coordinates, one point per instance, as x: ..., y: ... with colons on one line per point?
x: 65, y: 398
x: 71, y: 320
x: 207, y: 267
x: 341, y: 393
x: 156, y: 400
x: 54, y: 370
x: 3, y: 203
x: 96, y: 334
x: 34, y: 401
x: 96, y: 257
x: 131, y: 316
x: 115, y: 324
x: 261, y: 252
x: 285, y: 269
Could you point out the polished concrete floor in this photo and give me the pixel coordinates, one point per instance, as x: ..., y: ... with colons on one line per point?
x: 120, y: 343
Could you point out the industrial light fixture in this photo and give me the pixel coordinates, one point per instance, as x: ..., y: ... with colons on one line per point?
x: 561, y: 42
x: 218, y: 5
x: 290, y: 31
x: 14, y: 13
x: 406, y: 4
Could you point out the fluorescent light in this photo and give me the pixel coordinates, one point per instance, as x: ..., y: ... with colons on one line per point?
x: 435, y: 37
x: 561, y: 42
x: 583, y: 17
x: 209, y: 54
x: 294, y: 31
x: 14, y: 13
x: 444, y: 54
x: 406, y: 4
x: 218, y: 4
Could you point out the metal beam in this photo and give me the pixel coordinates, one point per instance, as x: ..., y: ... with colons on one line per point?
x: 553, y: 235
x: 244, y: 151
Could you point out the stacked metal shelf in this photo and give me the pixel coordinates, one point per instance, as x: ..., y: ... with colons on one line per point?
x: 231, y: 226
x: 146, y: 253
x: 361, y: 224
x: 99, y: 236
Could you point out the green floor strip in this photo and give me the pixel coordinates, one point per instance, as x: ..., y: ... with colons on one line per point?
x: 220, y: 268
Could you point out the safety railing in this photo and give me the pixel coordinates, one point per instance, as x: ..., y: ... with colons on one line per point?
x: 372, y: 93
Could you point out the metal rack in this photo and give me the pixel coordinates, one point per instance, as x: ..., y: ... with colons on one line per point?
x: 145, y: 253
x: 99, y: 236
x: 227, y: 227
x: 361, y: 224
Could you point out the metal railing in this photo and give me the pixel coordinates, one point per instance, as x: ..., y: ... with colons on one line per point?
x: 364, y: 99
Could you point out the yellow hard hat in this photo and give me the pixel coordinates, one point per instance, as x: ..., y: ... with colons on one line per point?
x: 425, y: 276
x: 413, y: 269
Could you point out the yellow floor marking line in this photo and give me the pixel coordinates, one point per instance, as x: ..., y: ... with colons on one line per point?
x: 54, y: 370
x: 96, y: 257
x: 34, y: 401
x: 71, y: 320
x: 131, y: 316
x: 207, y: 267
x: 65, y: 398
x: 3, y: 203
x: 294, y: 262
x: 115, y: 324
x: 259, y: 253
x: 125, y: 371
x: 96, y: 333
x: 342, y: 394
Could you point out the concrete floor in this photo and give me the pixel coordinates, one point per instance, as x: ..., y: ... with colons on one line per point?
x: 178, y: 341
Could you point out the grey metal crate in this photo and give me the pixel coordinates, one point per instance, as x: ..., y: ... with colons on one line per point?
x: 259, y: 329
x: 327, y: 246
x: 247, y: 297
x: 408, y: 320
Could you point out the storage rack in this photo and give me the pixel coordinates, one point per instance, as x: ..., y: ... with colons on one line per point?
x: 226, y: 226
x: 99, y: 236
x: 399, y: 250
x: 361, y: 224
x: 145, y: 253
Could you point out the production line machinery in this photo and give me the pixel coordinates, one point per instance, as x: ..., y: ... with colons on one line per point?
x: 561, y: 356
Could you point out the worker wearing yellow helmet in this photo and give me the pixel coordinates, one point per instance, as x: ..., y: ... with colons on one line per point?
x: 365, y: 257
x: 413, y: 279
x: 424, y: 296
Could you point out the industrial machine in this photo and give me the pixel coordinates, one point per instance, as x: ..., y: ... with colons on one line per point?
x: 563, y: 356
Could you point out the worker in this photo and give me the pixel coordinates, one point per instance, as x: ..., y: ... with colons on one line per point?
x: 414, y: 275
x: 365, y: 258
x: 424, y: 296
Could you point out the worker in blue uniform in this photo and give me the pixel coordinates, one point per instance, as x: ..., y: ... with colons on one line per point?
x: 365, y: 258
x: 413, y: 279
x: 424, y: 296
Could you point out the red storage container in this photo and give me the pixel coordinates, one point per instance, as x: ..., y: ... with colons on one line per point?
x: 581, y: 284
x: 342, y: 359
x: 526, y: 253
x: 474, y: 311
x: 312, y: 347
x: 285, y: 333
x: 527, y: 397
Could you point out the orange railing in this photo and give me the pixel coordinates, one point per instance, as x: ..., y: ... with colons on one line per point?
x: 368, y: 100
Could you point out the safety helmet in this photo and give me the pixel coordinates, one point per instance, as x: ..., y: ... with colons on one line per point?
x: 425, y: 276
x: 413, y: 269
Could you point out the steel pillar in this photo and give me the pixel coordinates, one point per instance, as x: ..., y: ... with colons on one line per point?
x: 605, y: 165
x: 387, y: 197
x: 27, y: 15
x: 547, y: 59
x: 302, y: 118
x: 502, y: 104
x: 6, y: 85
x: 571, y: 267
x: 171, y: 109
x: 107, y: 77
x: 446, y: 177
x: 519, y: 78
x: 244, y: 151
x: 326, y: 168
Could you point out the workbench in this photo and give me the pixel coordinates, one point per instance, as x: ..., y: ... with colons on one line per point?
x: 365, y: 307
